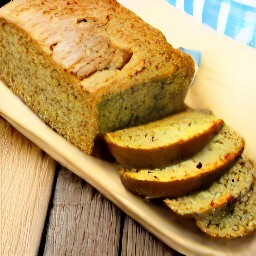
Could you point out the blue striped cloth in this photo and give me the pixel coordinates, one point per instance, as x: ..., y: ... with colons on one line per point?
x: 236, y: 19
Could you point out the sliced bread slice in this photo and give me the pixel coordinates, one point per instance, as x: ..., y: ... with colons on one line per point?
x: 159, y: 143
x: 188, y: 175
x: 231, y: 186
x: 238, y: 221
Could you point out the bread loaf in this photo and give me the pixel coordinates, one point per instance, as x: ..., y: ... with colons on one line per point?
x: 90, y: 67
x: 160, y: 143
x: 231, y: 186
x: 184, y: 177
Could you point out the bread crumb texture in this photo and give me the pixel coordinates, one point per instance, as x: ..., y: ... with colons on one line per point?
x: 89, y: 67
x: 231, y: 186
x: 160, y: 143
x: 232, y: 222
x: 187, y: 175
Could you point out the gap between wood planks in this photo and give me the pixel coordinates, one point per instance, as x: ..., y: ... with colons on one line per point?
x: 83, y: 222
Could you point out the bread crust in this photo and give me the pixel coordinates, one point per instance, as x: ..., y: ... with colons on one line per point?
x: 155, y: 155
x: 97, y: 66
x: 237, y: 220
x: 229, y: 188
x: 188, y: 175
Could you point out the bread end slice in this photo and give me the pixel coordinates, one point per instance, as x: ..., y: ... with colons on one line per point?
x: 234, y: 222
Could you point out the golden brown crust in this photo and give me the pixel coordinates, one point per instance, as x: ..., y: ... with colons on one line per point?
x: 174, y: 188
x: 84, y: 37
x: 230, y: 187
x: 189, y: 175
x: 164, y: 155
x: 93, y: 62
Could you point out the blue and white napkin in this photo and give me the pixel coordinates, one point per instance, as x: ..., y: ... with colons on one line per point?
x: 234, y: 18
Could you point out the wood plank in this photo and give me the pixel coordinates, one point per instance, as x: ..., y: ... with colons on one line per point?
x: 27, y: 175
x: 82, y: 222
x: 137, y: 241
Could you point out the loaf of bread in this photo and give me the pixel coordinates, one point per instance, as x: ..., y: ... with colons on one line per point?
x: 160, y: 143
x: 187, y: 175
x: 90, y: 67
x: 238, y: 220
x: 230, y: 187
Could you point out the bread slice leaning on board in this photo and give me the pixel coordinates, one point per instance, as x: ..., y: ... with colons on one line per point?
x: 162, y: 142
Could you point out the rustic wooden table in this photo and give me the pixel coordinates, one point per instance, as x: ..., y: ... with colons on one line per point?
x: 47, y: 210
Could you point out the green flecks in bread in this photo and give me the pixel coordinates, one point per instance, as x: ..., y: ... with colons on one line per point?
x: 188, y: 175
x: 233, y: 222
x: 160, y: 143
x: 231, y: 186
x: 90, y: 67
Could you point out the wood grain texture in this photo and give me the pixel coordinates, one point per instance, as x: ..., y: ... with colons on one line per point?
x: 82, y: 222
x: 137, y: 241
x: 27, y: 175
